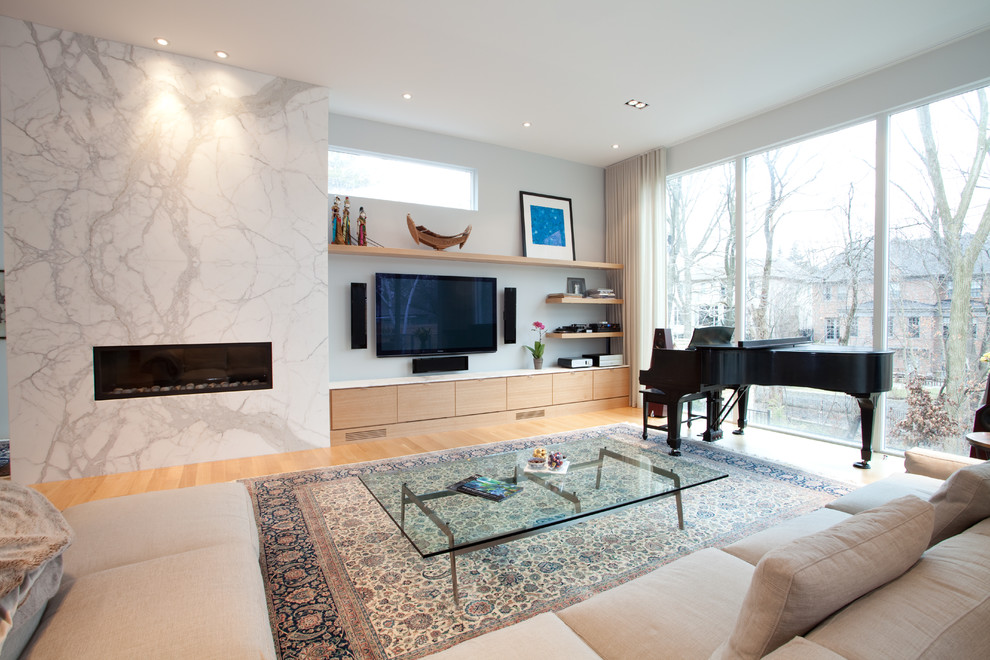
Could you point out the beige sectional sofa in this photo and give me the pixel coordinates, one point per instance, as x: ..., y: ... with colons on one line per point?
x: 167, y: 574
x: 897, y: 569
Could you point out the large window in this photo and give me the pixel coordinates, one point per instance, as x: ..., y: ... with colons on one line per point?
x: 377, y: 176
x: 701, y: 251
x: 809, y: 251
x: 809, y: 264
x: 939, y: 221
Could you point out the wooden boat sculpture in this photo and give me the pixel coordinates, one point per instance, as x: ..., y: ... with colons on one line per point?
x: 423, y: 235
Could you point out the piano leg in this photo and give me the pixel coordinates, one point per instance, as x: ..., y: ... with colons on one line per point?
x: 713, y: 430
x: 674, y: 427
x: 742, y: 406
x: 867, y: 406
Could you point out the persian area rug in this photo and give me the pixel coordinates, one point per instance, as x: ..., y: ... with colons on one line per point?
x: 343, y: 582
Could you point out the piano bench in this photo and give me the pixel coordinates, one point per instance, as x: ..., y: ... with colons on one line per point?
x: 655, y: 396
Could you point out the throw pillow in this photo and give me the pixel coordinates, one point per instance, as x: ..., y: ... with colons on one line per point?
x: 802, y: 582
x: 32, y: 533
x: 962, y: 501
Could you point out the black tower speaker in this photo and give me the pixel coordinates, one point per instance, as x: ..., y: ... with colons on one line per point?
x: 509, y: 315
x: 359, y: 315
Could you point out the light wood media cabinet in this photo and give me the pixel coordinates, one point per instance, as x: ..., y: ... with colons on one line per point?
x: 363, y: 410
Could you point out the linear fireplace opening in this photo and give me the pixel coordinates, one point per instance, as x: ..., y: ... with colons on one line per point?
x: 122, y: 372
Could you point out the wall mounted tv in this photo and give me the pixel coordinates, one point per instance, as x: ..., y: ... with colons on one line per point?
x: 434, y: 314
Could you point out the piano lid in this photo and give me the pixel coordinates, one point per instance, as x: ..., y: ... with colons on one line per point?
x: 716, y: 335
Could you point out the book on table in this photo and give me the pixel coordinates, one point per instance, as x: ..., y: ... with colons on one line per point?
x: 491, y: 489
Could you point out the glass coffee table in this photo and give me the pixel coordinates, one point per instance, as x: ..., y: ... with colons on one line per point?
x: 602, y: 475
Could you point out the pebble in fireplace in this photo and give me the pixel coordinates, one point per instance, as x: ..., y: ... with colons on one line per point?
x: 121, y: 372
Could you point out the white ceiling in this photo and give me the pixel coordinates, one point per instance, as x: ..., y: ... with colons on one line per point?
x: 478, y: 70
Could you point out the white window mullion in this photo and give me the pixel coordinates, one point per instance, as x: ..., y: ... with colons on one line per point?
x: 740, y: 248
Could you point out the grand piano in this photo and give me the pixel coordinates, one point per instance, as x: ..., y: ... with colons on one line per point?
x: 712, y: 364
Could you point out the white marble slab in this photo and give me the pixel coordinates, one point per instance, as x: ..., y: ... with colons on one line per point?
x: 152, y: 198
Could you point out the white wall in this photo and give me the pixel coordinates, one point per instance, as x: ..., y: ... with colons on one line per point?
x: 496, y: 229
x: 956, y: 66
x: 157, y: 199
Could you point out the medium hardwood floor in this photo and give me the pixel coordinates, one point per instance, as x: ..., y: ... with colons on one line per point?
x: 820, y: 457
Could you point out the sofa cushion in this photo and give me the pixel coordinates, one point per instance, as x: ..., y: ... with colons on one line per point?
x: 797, y: 585
x: 935, y: 464
x: 684, y: 608
x: 753, y: 547
x: 33, y: 535
x: 124, y: 530
x: 938, y: 609
x: 880, y: 492
x: 543, y: 636
x: 205, y: 603
x: 963, y: 500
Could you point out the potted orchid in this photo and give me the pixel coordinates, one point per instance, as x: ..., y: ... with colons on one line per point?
x: 538, y: 346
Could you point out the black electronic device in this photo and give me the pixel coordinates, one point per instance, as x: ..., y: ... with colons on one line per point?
x: 574, y: 363
x: 445, y: 363
x: 434, y: 314
x: 575, y: 327
x: 604, y: 359
x: 509, y: 315
x: 359, y: 315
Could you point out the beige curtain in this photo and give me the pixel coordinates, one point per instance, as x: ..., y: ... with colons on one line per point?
x: 635, y: 207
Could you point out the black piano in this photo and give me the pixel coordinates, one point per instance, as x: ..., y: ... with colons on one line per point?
x: 709, y: 367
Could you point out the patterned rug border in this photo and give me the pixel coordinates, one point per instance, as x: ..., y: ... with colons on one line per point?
x: 351, y: 636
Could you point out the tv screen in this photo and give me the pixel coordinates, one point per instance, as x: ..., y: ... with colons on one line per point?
x: 434, y: 314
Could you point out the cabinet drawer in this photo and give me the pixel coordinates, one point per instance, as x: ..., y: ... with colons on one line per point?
x: 528, y: 391
x: 425, y: 401
x: 573, y: 387
x: 480, y: 396
x: 365, y: 406
x: 611, y: 383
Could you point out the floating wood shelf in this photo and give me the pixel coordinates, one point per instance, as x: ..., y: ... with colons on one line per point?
x: 438, y: 255
x: 583, y: 335
x: 584, y: 301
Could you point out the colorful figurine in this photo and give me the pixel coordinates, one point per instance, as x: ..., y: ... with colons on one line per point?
x: 334, y: 219
x: 346, y: 222
x: 362, y: 238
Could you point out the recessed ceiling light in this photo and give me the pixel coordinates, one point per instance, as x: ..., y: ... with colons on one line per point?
x: 527, y: 124
x: 639, y: 105
x: 615, y: 146
x: 222, y: 54
x: 407, y: 96
x: 161, y: 41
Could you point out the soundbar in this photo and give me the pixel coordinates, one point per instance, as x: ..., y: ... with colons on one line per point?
x: 445, y: 363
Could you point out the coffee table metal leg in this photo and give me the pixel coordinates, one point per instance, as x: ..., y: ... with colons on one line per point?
x: 409, y: 496
x: 453, y: 576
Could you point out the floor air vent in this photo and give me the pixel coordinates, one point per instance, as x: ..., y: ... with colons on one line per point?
x: 531, y: 414
x: 371, y: 434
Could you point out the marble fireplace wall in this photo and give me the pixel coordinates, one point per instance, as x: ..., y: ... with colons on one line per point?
x: 151, y: 198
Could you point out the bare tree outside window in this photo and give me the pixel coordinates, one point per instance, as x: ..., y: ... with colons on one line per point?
x: 940, y: 223
x: 701, y: 250
x: 809, y: 254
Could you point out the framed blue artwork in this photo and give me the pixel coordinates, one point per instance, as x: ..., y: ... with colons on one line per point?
x: 548, y: 229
